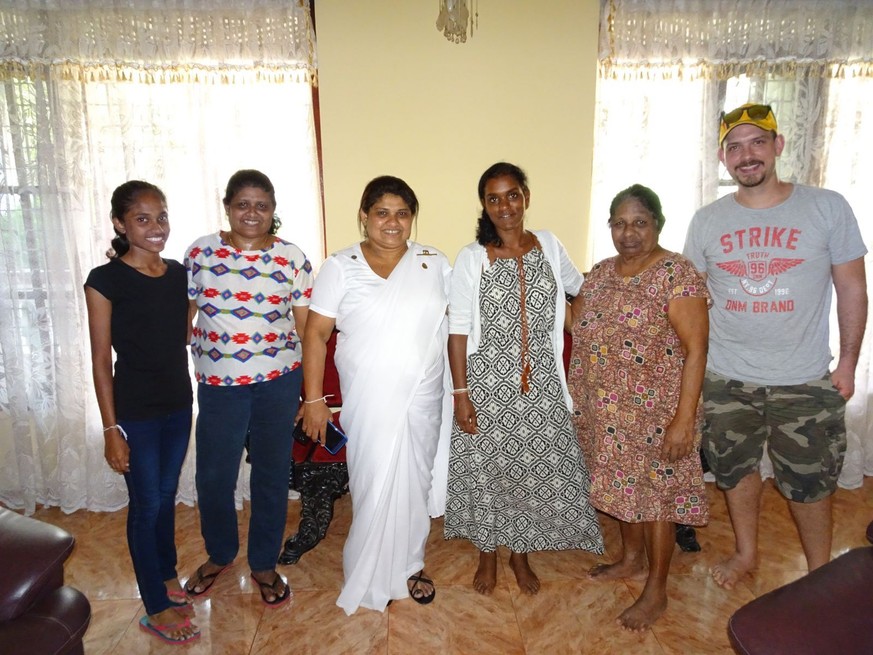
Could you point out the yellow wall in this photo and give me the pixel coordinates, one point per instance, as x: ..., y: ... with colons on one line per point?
x: 398, y: 98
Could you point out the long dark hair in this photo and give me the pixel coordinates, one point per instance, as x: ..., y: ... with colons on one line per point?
x: 387, y: 184
x: 122, y: 198
x: 486, y: 234
x: 250, y: 177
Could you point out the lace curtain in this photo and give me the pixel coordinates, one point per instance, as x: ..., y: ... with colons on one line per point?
x: 666, y: 70
x: 179, y: 93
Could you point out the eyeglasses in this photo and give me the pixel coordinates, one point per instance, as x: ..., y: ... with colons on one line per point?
x: 755, y: 113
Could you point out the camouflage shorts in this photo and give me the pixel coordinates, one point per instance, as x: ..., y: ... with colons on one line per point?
x: 802, y: 426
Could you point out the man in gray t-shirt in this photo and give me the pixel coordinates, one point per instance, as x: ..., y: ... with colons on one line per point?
x: 772, y: 253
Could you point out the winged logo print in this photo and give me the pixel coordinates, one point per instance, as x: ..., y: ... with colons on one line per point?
x: 776, y: 266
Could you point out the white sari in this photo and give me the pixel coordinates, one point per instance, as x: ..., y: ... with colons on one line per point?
x: 391, y: 356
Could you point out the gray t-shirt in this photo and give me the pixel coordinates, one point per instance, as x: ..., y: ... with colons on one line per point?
x: 769, y: 273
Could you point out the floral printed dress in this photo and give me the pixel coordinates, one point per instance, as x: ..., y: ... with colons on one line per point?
x: 625, y: 375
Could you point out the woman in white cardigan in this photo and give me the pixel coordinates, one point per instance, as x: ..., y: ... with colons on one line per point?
x: 516, y: 473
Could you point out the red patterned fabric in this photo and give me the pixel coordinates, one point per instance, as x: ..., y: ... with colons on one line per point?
x: 245, y: 331
x: 331, y: 386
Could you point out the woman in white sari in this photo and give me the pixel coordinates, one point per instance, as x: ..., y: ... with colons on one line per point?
x: 387, y: 296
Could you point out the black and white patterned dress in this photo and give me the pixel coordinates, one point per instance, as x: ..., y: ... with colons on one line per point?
x: 521, y: 482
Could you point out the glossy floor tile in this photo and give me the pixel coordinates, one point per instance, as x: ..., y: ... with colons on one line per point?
x: 571, y: 614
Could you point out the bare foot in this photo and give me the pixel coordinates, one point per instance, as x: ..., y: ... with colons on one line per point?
x: 642, y: 614
x: 486, y: 574
x: 633, y: 569
x: 727, y: 573
x: 173, y: 625
x: 178, y: 596
x: 528, y: 581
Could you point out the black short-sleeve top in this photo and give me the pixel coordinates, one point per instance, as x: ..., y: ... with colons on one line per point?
x: 149, y: 336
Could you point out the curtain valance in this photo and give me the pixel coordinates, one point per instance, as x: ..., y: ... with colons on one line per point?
x: 176, y: 40
x: 722, y: 38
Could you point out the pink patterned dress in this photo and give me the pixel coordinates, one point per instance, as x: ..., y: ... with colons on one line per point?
x: 625, y: 375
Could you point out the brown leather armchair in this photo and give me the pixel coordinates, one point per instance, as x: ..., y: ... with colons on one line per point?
x: 826, y: 611
x: 38, y: 613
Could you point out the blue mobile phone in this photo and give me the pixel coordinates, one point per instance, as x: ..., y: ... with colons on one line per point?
x: 334, y: 439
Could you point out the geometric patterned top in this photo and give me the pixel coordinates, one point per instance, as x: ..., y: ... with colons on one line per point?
x: 245, y: 332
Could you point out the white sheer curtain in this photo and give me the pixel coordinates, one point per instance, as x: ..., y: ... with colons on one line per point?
x: 179, y: 93
x: 666, y: 70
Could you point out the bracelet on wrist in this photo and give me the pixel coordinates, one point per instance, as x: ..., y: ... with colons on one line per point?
x: 458, y: 392
x: 318, y: 400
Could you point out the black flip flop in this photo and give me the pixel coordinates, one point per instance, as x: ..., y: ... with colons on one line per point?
x: 269, y: 588
x: 417, y: 579
x: 204, y: 580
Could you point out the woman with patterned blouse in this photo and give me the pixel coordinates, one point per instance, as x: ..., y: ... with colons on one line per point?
x: 250, y: 290
x: 640, y: 330
x: 516, y: 474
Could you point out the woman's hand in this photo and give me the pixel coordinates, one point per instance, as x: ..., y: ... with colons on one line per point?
x: 315, y: 418
x: 574, y: 311
x: 465, y: 414
x: 116, y: 451
x: 315, y: 414
x: 689, y: 318
x: 678, y: 440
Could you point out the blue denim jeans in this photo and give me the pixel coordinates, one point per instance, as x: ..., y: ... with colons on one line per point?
x: 157, y: 451
x: 264, y: 412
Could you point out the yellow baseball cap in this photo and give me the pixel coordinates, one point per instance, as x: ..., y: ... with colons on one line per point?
x: 748, y: 114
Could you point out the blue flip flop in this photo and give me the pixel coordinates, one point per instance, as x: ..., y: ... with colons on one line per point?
x: 159, y: 630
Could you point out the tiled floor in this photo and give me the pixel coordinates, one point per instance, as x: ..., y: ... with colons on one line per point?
x: 571, y: 614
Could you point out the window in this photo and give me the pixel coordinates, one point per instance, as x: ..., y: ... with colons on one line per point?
x: 182, y: 96
x: 668, y: 69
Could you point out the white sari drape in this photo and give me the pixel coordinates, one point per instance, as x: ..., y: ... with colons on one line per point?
x: 391, y: 360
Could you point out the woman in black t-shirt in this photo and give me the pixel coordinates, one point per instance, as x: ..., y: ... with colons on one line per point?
x: 138, y: 306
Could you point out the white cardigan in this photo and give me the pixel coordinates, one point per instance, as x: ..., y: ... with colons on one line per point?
x: 464, y: 313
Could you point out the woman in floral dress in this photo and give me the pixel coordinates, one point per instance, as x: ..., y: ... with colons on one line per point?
x: 640, y: 330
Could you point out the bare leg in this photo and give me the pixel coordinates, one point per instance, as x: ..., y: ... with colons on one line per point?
x: 660, y: 538
x: 486, y: 574
x: 633, y: 556
x: 527, y: 580
x: 815, y: 525
x: 744, y: 507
